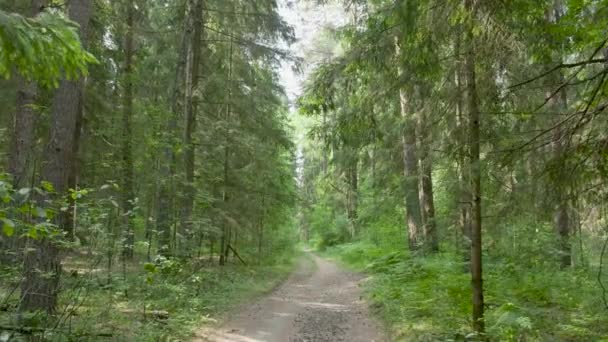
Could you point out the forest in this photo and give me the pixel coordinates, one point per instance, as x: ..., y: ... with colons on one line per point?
x: 303, y: 170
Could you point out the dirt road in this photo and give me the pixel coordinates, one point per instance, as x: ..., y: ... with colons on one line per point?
x: 319, y: 302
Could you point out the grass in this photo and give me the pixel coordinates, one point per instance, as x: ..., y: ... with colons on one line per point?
x: 428, y: 298
x: 166, y: 301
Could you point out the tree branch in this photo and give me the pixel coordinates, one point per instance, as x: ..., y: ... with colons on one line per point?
x: 560, y: 66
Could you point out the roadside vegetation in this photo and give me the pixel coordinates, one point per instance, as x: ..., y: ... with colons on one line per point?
x: 428, y: 299
x: 456, y: 153
x: 146, y: 177
x: 154, y: 172
x: 168, y: 299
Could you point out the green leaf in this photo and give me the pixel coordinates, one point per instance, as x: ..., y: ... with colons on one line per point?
x: 8, y: 227
x: 48, y: 186
x: 150, y: 267
x: 32, y: 233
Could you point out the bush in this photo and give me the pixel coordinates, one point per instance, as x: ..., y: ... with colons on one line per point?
x: 428, y: 298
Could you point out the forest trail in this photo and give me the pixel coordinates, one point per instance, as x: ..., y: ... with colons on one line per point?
x: 319, y: 302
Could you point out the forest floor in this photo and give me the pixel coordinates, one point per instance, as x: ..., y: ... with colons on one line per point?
x: 320, y: 302
x: 164, y: 301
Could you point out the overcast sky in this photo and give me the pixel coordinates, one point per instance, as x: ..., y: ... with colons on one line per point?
x: 308, y: 20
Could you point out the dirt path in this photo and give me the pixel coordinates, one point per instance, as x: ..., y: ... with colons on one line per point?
x: 319, y: 302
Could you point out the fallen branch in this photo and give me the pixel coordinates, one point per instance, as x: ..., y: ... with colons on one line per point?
x: 237, y: 254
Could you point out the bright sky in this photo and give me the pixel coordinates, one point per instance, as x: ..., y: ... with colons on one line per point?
x: 308, y: 19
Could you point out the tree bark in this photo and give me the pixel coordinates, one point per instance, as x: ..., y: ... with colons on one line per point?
x: 427, y: 200
x: 128, y: 192
x: 226, y: 231
x: 225, y: 238
x: 559, y: 102
x: 410, y: 168
x: 22, y: 143
x: 353, y: 196
x: 475, y: 164
x: 167, y: 168
x: 261, y: 229
x: 42, y: 264
x: 71, y: 217
x: 463, y: 169
x: 21, y: 150
x: 193, y: 60
x: 410, y: 174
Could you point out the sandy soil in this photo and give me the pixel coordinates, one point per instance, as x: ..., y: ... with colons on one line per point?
x: 319, y: 302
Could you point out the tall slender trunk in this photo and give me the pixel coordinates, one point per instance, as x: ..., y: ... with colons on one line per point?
x: 427, y: 200
x: 261, y: 229
x: 167, y: 168
x: 128, y: 192
x: 475, y: 163
x: 411, y: 187
x: 353, y: 196
x: 559, y: 102
x: 193, y: 60
x: 464, y: 193
x: 71, y: 218
x: 410, y: 167
x: 42, y: 264
x: 225, y: 239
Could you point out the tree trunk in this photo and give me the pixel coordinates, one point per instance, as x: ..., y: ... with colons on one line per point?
x: 20, y: 156
x: 225, y: 239
x: 353, y: 196
x: 167, y: 169
x: 41, y: 272
x: 128, y: 192
x: 410, y: 167
x: 410, y: 181
x: 427, y: 200
x: 463, y: 169
x: 475, y: 164
x: 22, y: 143
x: 21, y: 151
x: 71, y: 215
x: 559, y: 102
x: 261, y: 230
x: 42, y: 264
x: 193, y: 60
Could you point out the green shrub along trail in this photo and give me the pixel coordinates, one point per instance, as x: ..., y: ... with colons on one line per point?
x: 427, y: 299
x: 162, y: 163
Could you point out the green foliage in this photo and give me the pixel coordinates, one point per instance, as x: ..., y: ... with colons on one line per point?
x: 427, y: 299
x: 45, y: 49
x: 21, y: 214
x: 191, y: 293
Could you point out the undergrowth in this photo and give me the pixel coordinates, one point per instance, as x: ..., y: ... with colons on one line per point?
x: 164, y: 301
x: 428, y: 298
